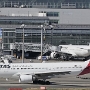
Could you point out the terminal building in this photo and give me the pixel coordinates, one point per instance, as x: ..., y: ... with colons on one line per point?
x: 70, y: 20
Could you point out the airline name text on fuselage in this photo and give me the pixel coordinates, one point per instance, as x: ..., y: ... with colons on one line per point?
x: 4, y: 66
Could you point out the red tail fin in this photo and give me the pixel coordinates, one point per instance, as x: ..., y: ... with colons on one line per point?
x: 86, y: 70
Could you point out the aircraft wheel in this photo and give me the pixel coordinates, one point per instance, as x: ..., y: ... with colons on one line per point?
x: 35, y: 82
x: 47, y: 83
x: 40, y: 82
x: 67, y: 58
x: 43, y: 82
x: 85, y: 59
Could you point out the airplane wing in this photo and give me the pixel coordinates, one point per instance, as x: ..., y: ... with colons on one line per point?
x: 67, y: 52
x: 47, y: 75
x: 44, y: 73
x: 51, y: 74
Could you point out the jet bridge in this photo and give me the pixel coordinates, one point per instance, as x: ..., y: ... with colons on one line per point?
x: 35, y: 48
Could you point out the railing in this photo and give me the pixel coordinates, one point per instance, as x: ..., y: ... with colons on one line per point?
x: 59, y: 26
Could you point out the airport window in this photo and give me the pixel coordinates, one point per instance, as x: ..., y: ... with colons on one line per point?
x: 11, y: 33
x: 7, y: 46
x: 56, y: 14
x: 42, y: 11
x: 5, y: 40
x: 54, y: 21
x: 5, y: 33
x: 10, y: 40
x: 52, y: 14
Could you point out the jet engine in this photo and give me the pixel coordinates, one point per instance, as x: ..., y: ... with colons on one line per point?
x: 54, y: 55
x: 26, y: 78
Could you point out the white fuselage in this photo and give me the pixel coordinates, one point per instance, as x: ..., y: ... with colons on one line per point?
x: 76, y: 50
x: 17, y: 69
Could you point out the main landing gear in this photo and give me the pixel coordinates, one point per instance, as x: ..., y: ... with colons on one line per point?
x: 41, y: 82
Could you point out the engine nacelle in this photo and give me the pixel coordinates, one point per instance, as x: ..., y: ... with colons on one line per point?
x: 26, y: 78
x: 53, y: 55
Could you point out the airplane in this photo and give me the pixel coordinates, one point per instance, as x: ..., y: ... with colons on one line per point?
x: 71, y: 51
x: 39, y: 72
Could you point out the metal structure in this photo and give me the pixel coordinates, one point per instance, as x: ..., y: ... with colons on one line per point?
x: 23, y: 26
x: 41, y: 41
x: 1, y: 50
x: 34, y: 47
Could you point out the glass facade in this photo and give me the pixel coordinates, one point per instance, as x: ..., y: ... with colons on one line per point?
x: 55, y: 36
x: 15, y: 20
x: 52, y: 14
x: 59, y: 34
x: 12, y: 35
x: 55, y: 21
x: 50, y: 36
x: 85, y: 4
x: 8, y: 37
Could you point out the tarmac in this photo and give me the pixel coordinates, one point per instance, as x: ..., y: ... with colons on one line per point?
x: 70, y: 82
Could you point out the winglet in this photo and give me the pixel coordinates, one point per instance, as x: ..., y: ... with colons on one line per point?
x: 86, y: 70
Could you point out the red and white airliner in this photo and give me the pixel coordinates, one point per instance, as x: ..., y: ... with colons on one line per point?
x: 39, y: 72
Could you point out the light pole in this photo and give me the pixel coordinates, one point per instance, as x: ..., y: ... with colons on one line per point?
x: 22, y: 26
x: 41, y: 41
x: 51, y: 26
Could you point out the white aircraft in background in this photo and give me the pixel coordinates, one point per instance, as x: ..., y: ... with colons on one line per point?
x: 34, y: 72
x: 71, y: 51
